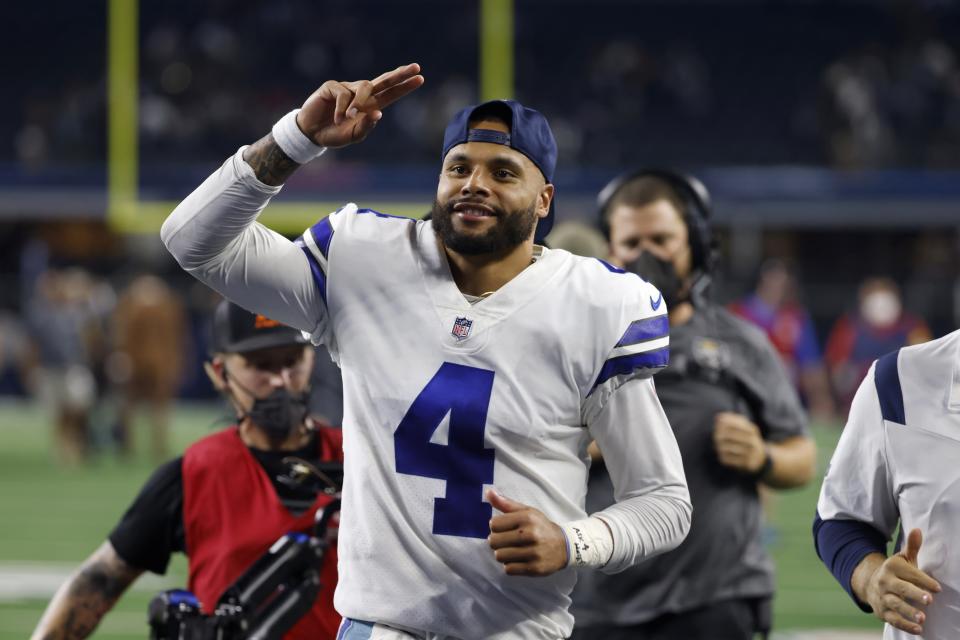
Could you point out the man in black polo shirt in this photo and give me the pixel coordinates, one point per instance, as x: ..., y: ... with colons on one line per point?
x: 231, y: 495
x: 737, y: 420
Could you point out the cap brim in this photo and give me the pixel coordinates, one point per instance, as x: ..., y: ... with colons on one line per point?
x: 255, y: 343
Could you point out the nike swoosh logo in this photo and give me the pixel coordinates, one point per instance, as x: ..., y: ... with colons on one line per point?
x: 656, y: 303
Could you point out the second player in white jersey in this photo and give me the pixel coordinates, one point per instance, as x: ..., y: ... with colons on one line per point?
x: 896, y: 464
x: 449, y: 395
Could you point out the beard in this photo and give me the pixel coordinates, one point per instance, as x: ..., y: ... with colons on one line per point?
x: 511, y: 230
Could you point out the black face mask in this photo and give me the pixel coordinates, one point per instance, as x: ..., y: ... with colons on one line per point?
x: 661, y: 274
x: 279, y: 414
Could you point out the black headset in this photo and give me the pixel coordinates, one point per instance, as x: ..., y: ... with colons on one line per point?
x: 696, y: 210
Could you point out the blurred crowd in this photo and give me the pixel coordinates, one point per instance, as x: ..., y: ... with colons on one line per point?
x: 93, y: 354
x: 105, y: 346
x: 827, y: 377
x: 879, y: 85
x: 897, y: 106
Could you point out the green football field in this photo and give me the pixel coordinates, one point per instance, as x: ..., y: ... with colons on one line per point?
x: 51, y: 518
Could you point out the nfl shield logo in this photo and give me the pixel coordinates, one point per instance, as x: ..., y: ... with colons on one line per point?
x: 461, y: 328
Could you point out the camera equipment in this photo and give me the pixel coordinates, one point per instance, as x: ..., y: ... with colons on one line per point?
x: 263, y: 603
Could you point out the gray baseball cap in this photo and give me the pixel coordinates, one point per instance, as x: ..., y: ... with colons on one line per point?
x: 236, y: 330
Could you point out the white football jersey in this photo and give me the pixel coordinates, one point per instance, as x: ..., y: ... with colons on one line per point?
x: 898, y: 460
x: 443, y: 399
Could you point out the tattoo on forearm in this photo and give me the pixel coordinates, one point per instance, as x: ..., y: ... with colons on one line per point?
x: 95, y: 591
x: 270, y: 164
x: 92, y: 592
x: 103, y: 579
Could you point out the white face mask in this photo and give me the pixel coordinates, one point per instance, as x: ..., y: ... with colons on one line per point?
x: 880, y: 308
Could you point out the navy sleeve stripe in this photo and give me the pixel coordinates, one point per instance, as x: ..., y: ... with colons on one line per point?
x: 322, y: 235
x: 319, y: 278
x: 645, y: 330
x: 610, y: 267
x: 842, y: 544
x: 656, y: 359
x: 887, y: 378
x: 385, y: 215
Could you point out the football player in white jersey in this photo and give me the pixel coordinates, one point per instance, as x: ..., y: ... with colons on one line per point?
x: 477, y: 365
x: 896, y: 463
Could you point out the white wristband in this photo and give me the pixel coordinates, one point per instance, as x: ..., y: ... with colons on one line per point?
x: 589, y: 542
x: 293, y: 142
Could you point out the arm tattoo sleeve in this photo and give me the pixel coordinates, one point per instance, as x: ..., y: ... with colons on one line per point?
x: 270, y: 164
x: 83, y: 600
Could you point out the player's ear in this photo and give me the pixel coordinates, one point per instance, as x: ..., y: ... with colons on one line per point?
x: 216, y: 372
x: 544, y: 200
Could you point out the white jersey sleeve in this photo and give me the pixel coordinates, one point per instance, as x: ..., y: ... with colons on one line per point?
x: 642, y: 347
x: 652, y: 510
x: 857, y: 485
x: 215, y: 237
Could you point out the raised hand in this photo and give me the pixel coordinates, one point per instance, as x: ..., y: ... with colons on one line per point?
x: 524, y: 540
x: 898, y: 590
x: 342, y: 113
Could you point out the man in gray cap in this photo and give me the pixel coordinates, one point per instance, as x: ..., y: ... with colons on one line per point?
x: 477, y: 366
x: 231, y: 495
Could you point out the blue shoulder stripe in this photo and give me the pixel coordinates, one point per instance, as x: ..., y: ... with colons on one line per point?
x: 385, y: 215
x: 650, y: 360
x: 322, y: 235
x: 645, y: 330
x: 887, y: 379
x: 610, y: 267
x: 319, y: 278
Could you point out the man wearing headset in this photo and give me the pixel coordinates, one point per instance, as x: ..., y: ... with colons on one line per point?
x: 736, y: 417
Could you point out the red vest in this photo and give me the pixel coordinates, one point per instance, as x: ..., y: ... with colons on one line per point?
x: 232, y: 514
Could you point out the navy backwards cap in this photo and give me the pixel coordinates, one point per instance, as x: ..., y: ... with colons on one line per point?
x: 530, y: 134
x: 236, y: 330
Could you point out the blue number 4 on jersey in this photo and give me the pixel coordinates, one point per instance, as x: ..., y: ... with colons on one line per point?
x: 465, y: 464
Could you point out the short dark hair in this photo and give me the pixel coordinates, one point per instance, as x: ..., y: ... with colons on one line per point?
x: 686, y: 194
x: 642, y: 191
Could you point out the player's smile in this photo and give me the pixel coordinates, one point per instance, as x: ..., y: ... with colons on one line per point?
x: 474, y: 212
